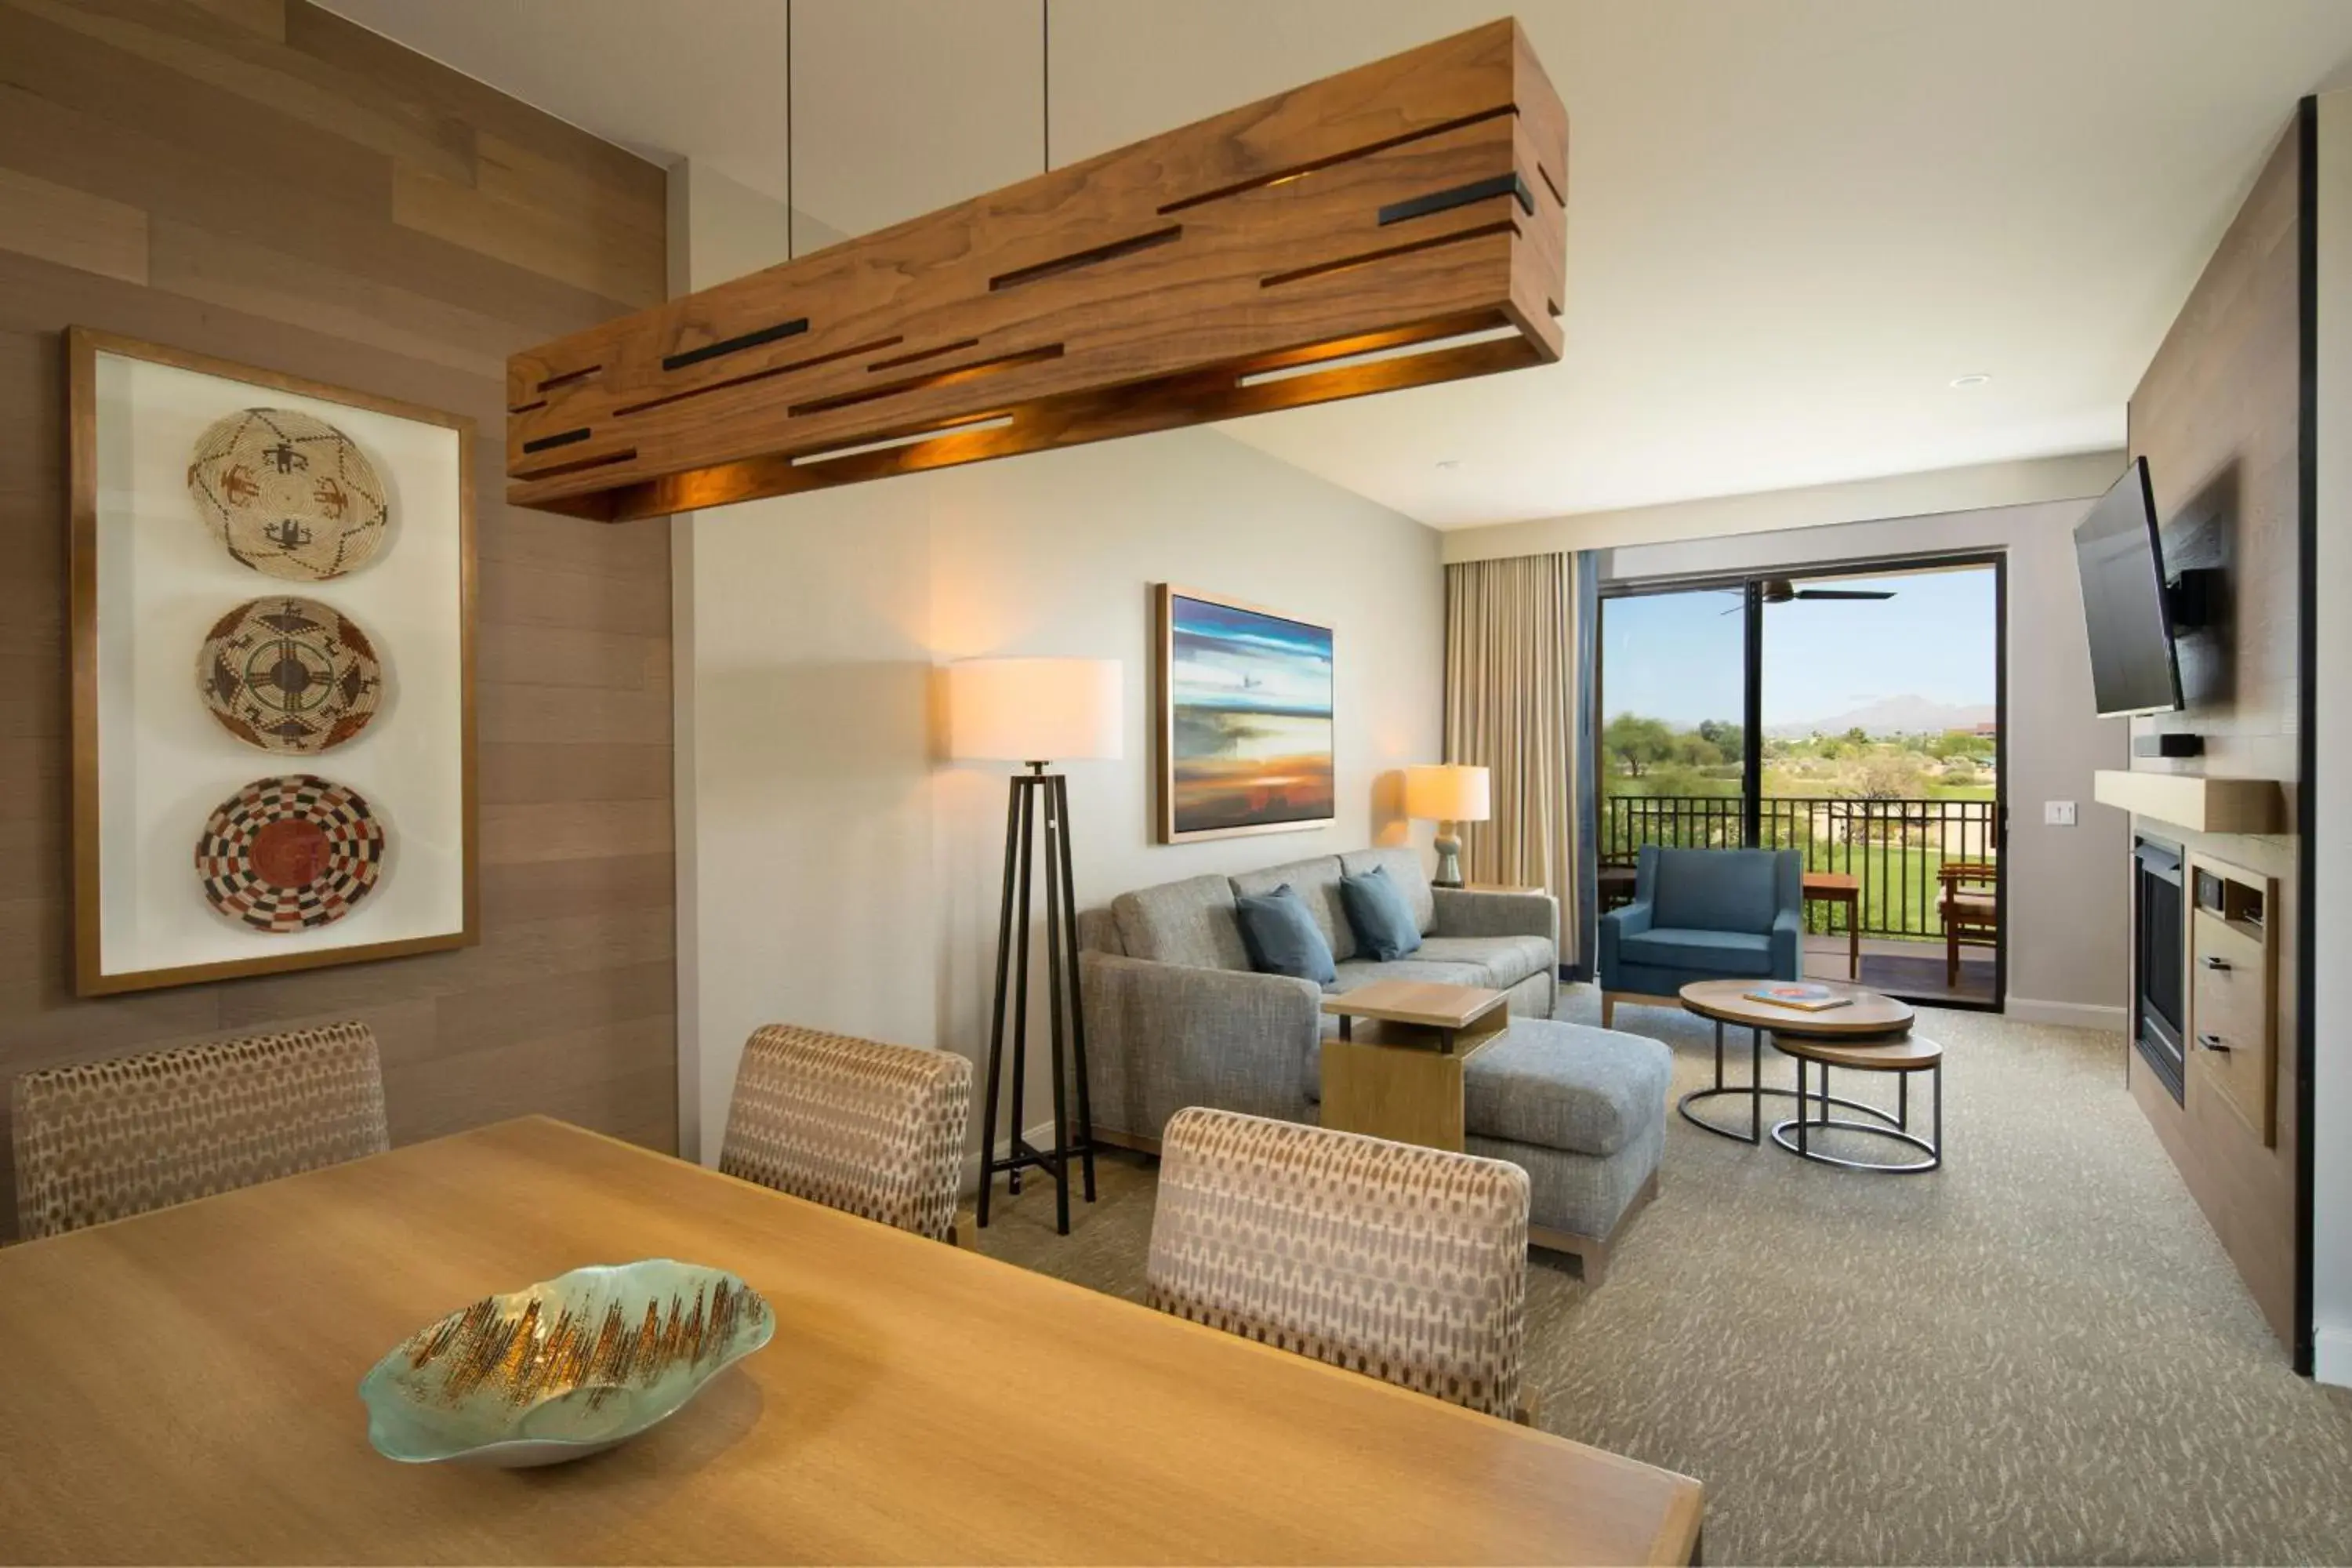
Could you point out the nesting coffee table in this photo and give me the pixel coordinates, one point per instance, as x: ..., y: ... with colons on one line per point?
x: 1871, y: 1033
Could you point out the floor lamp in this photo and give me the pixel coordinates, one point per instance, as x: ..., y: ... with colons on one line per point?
x: 1034, y: 711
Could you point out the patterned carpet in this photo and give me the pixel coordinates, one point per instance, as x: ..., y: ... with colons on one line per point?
x: 2037, y: 1354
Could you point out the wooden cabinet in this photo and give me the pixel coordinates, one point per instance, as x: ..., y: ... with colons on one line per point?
x: 2233, y: 992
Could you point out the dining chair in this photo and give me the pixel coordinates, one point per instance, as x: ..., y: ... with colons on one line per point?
x: 875, y: 1130
x: 98, y: 1141
x: 1404, y: 1263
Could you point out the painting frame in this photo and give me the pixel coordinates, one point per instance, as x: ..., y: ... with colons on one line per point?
x: 86, y: 631
x: 1170, y: 815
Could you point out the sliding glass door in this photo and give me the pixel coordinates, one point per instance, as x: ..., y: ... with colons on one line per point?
x: 1853, y: 715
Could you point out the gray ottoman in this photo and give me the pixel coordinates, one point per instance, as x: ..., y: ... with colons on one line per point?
x: 1584, y: 1111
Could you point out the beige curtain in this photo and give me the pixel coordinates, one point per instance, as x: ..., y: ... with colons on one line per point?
x: 1510, y: 707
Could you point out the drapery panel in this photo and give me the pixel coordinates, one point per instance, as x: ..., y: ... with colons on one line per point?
x: 1511, y: 636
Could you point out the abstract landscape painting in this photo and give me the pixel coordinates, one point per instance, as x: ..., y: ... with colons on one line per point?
x: 1246, y: 726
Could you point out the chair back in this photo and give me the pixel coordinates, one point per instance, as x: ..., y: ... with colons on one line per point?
x: 873, y: 1129
x: 101, y: 1140
x: 1719, y: 889
x: 1404, y: 1263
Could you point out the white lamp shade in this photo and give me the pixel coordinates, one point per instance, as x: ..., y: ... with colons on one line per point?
x: 1446, y: 792
x: 1036, y: 710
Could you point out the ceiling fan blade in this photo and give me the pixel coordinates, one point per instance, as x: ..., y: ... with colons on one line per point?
x: 1845, y: 593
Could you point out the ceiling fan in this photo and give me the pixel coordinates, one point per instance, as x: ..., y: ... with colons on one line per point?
x: 1782, y: 591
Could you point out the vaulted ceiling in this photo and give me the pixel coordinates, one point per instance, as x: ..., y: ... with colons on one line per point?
x: 1793, y: 224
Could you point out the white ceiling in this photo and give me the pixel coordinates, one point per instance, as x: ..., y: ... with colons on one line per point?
x: 1792, y: 223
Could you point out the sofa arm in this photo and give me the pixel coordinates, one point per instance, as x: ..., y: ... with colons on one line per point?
x: 1624, y: 921
x: 1462, y: 913
x: 1160, y: 1036
x: 1789, y: 945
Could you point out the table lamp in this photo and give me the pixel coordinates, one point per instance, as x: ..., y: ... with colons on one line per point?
x: 1035, y: 712
x: 1449, y: 794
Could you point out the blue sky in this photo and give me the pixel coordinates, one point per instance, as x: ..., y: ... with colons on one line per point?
x: 1239, y: 659
x: 1676, y: 656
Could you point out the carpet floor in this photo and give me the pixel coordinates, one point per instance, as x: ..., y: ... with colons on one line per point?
x: 2039, y: 1353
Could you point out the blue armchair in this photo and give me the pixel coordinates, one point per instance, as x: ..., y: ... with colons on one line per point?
x: 1704, y: 914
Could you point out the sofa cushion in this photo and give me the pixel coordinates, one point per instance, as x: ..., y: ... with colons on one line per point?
x: 1730, y: 954
x: 1377, y: 913
x: 1317, y: 883
x: 1404, y: 868
x: 1364, y: 971
x: 1566, y: 1086
x: 1506, y: 960
x: 1191, y: 922
x: 1714, y: 889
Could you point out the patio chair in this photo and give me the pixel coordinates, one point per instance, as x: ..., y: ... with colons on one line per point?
x: 1970, y: 905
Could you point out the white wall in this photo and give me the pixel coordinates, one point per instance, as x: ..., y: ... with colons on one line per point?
x: 1976, y: 487
x: 2069, y: 926
x: 2330, y: 906
x: 836, y: 873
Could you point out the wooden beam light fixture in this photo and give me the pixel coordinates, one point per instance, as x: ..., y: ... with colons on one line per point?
x: 1396, y: 224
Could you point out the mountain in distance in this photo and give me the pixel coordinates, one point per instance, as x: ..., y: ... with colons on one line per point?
x: 1892, y: 716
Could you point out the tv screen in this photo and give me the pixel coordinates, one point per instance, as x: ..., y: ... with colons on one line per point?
x: 2133, y: 666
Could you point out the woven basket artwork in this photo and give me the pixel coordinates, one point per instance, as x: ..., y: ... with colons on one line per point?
x: 290, y: 854
x: 290, y: 675
x: 288, y: 494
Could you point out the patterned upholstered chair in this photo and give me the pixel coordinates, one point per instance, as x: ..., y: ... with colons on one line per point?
x: 873, y: 1130
x: 1404, y: 1263
x: 99, y: 1141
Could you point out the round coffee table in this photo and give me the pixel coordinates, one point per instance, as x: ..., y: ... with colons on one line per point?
x: 1901, y: 1057
x: 1868, y: 1016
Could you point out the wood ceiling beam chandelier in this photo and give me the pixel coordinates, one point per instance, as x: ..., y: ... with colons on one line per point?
x: 1393, y: 225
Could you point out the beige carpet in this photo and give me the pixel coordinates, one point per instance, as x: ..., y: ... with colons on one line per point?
x: 2037, y: 1354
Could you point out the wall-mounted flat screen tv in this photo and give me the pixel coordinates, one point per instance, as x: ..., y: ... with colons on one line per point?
x: 2133, y: 668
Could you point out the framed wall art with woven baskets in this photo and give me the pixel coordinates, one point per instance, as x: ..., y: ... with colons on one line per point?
x: 273, y: 630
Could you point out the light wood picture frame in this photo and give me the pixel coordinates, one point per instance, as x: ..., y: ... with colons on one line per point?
x: 149, y: 763
x: 1246, y: 718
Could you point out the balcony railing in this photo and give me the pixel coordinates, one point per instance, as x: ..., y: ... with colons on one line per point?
x: 1894, y: 848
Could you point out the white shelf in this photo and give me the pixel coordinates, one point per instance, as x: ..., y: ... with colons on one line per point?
x: 2194, y: 801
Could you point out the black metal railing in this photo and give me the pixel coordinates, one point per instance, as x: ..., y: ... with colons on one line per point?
x: 1894, y: 850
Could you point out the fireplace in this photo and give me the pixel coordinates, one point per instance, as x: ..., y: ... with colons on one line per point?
x: 2159, y: 989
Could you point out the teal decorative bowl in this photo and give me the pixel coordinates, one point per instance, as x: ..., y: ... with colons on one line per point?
x: 564, y: 1368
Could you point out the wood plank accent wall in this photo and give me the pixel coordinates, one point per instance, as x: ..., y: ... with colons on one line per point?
x: 264, y: 181
x: 2217, y: 416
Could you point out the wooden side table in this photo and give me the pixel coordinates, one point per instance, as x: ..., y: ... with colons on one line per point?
x: 1401, y: 1079
x: 1838, y: 887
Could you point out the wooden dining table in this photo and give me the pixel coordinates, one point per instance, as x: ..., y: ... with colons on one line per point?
x: 181, y: 1387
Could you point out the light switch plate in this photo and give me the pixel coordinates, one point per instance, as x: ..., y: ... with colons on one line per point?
x: 2058, y: 814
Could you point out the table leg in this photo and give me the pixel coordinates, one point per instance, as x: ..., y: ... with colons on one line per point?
x: 1854, y: 938
x: 1755, y: 1080
x: 1801, y: 1107
x: 1345, y: 1032
x: 1903, y: 1101
x: 1939, y: 1075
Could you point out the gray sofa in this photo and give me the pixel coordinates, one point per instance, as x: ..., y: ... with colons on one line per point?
x: 1175, y: 1016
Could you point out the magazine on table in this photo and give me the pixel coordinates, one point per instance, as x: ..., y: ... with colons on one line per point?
x: 1803, y: 997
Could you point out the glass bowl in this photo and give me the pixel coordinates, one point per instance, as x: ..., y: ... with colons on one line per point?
x: 563, y: 1368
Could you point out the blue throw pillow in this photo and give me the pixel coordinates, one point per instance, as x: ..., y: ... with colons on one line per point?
x: 1384, y: 921
x: 1283, y: 938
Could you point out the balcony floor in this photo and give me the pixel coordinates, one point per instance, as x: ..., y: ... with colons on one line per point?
x: 1912, y: 969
